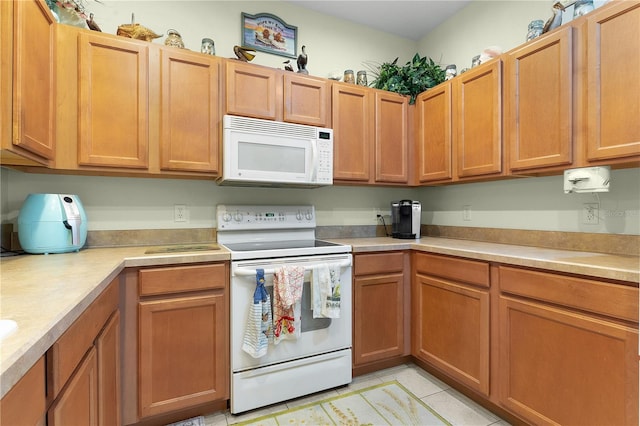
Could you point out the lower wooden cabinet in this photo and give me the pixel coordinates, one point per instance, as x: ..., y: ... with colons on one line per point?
x: 379, y: 307
x: 25, y: 403
x: 83, y: 367
x: 450, y: 317
x: 574, y: 363
x: 176, y: 354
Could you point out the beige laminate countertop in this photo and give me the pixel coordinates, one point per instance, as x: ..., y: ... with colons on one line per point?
x: 46, y: 294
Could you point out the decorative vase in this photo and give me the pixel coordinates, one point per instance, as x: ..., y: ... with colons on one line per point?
x: 174, y: 39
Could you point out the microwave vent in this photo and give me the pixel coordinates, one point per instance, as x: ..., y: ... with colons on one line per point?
x: 255, y: 125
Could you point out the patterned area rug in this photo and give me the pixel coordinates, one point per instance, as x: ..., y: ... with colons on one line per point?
x: 385, y: 404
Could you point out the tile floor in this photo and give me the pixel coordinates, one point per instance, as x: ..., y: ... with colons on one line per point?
x: 449, y: 403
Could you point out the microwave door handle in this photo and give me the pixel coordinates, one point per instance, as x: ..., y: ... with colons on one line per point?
x: 314, y: 161
x: 252, y: 272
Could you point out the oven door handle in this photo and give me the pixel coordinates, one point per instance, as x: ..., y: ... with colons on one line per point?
x: 248, y: 271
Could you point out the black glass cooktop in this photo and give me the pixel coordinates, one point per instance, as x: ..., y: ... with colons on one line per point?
x: 279, y: 245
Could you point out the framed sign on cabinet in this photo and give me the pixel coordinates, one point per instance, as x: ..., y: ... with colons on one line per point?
x: 268, y: 33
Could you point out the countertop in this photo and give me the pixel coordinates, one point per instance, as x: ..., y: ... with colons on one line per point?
x: 45, y: 294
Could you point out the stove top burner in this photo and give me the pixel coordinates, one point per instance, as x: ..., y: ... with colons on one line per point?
x: 278, y: 245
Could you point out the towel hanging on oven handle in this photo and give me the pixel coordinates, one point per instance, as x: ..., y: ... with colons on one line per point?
x: 247, y: 271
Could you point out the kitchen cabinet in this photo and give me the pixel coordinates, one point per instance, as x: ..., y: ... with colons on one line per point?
x: 190, y: 112
x: 352, y: 118
x: 25, y: 403
x: 113, y: 109
x: 380, y: 308
x: 370, y: 136
x: 540, y: 111
x: 612, y: 85
x: 83, y: 366
x: 459, y: 127
x: 433, y: 136
x: 450, y: 317
x: 307, y: 100
x: 271, y: 94
x: 580, y: 338
x: 180, y: 337
x: 28, y: 89
x: 391, y: 143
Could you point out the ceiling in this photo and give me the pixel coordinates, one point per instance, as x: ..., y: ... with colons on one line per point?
x: 408, y: 19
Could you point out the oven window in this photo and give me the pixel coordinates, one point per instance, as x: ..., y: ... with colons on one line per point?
x: 271, y: 158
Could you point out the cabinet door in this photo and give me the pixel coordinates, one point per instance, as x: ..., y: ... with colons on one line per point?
x: 391, y: 138
x: 540, y: 105
x: 108, y: 352
x: 352, y: 112
x: 183, y: 358
x: 253, y: 91
x: 34, y: 78
x: 433, y: 109
x: 78, y: 403
x: 25, y: 404
x: 190, y: 117
x: 613, y: 85
x: 451, y: 329
x: 113, y: 101
x: 307, y: 100
x: 478, y: 120
x: 378, y: 321
x: 562, y: 367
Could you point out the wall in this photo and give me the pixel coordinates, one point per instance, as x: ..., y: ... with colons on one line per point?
x: 532, y: 203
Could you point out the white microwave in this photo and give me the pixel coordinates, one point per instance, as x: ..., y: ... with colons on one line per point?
x: 272, y: 153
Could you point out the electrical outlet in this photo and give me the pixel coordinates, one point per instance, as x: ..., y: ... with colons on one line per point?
x: 466, y: 213
x: 180, y: 213
x: 590, y: 212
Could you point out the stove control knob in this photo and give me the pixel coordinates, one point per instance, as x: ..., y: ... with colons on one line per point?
x: 226, y: 217
x: 308, y: 215
x: 237, y: 217
x: 299, y: 215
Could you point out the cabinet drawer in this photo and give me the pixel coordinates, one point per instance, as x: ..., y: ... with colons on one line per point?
x: 183, y: 278
x: 67, y: 352
x: 368, y: 264
x: 468, y: 271
x: 614, y: 300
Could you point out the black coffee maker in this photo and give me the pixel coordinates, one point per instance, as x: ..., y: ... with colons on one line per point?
x: 405, y: 219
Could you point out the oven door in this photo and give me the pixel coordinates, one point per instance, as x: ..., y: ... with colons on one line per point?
x: 318, y: 335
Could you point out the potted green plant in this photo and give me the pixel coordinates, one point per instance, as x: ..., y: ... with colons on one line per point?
x: 416, y: 76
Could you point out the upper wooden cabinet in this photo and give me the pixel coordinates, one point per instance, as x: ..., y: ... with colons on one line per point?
x: 190, y: 118
x: 271, y: 94
x: 459, y: 127
x: 352, y: 110
x: 252, y: 90
x: 539, y: 92
x: 307, y: 100
x: 477, y: 135
x: 113, y: 92
x: 28, y: 87
x: 612, y: 85
x: 433, y: 135
x: 391, y: 157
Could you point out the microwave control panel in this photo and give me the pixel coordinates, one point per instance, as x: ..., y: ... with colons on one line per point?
x: 325, y: 161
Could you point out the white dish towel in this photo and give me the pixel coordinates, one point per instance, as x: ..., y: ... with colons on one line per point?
x: 325, y: 291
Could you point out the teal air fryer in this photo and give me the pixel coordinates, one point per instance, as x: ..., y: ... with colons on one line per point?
x: 52, y: 223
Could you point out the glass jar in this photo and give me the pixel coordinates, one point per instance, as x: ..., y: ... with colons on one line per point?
x: 349, y: 77
x: 582, y: 7
x: 450, y: 71
x: 535, y: 29
x: 362, y: 78
x: 174, y: 39
x: 208, y: 46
